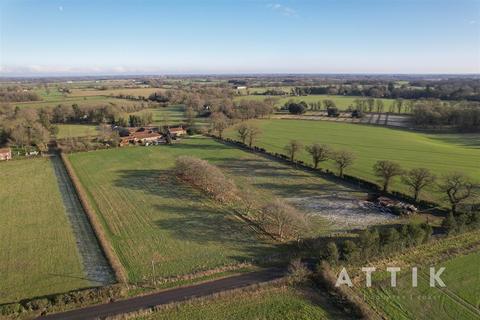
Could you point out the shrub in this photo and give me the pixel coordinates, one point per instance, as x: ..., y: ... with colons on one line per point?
x: 206, y: 177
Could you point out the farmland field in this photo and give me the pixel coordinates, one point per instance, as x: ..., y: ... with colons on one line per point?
x: 147, y: 212
x: 76, y: 130
x: 67, y: 100
x: 172, y: 115
x: 38, y: 253
x: 269, y: 303
x: 342, y: 102
x: 440, y: 153
x: 460, y: 298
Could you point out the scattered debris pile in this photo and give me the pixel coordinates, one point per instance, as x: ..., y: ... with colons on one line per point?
x: 387, y: 205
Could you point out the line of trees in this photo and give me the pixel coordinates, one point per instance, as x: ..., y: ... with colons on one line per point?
x: 464, y: 116
x: 14, y: 94
x: 468, y: 89
x: 276, y: 218
x: 456, y: 186
x: 375, y: 242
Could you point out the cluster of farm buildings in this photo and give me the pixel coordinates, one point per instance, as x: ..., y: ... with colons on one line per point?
x: 150, y: 135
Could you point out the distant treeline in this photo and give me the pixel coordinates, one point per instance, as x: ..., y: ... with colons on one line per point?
x: 445, y: 90
x: 463, y: 116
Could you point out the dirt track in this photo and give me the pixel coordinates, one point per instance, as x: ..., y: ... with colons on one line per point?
x: 168, y: 296
x: 94, y: 263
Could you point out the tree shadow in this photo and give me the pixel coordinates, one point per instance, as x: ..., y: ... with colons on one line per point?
x: 190, y: 216
x: 471, y: 140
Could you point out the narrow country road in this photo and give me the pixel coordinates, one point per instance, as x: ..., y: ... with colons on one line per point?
x: 168, y: 296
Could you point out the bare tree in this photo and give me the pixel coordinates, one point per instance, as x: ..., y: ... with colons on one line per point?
x: 219, y: 123
x: 190, y: 115
x: 253, y: 133
x: 206, y: 177
x: 288, y: 221
x: 343, y: 159
x: 386, y: 170
x: 292, y: 148
x: 458, y: 189
x: 242, y: 132
x: 319, y: 153
x: 417, y: 179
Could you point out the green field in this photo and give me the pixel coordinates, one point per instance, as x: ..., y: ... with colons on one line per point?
x: 38, y: 253
x: 460, y: 299
x: 172, y: 115
x: 270, y: 303
x: 440, y: 153
x: 56, y: 99
x: 76, y: 130
x: 342, y: 102
x: 146, y: 211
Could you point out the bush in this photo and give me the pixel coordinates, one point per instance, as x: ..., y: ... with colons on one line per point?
x: 10, y: 309
x: 206, y: 177
x: 298, y: 272
x: 297, y: 108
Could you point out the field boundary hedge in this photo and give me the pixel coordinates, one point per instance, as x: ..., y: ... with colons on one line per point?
x: 373, y: 187
x: 105, y: 245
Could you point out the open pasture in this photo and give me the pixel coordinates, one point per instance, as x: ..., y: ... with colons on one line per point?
x: 149, y: 215
x: 171, y: 115
x: 458, y: 300
x: 268, y: 303
x: 76, y: 130
x: 38, y: 253
x: 67, y: 100
x: 440, y: 153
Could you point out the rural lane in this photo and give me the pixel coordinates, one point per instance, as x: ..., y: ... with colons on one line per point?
x: 169, y: 296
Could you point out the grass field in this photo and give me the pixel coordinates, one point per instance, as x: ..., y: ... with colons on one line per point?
x: 76, y: 130
x: 342, y: 102
x: 172, y: 115
x: 147, y: 212
x: 144, y: 92
x: 267, y: 304
x: 38, y: 253
x: 460, y: 299
x: 56, y: 99
x: 440, y: 153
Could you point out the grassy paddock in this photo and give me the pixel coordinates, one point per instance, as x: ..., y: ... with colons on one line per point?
x: 440, y: 153
x: 265, y: 303
x: 149, y: 215
x: 76, y: 130
x: 38, y: 253
x: 459, y: 300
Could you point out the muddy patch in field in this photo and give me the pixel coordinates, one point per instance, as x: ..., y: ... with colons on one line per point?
x: 342, y: 210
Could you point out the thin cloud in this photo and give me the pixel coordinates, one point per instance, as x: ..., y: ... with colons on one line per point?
x: 283, y: 10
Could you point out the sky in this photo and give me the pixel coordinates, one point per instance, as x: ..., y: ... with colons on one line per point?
x: 83, y: 37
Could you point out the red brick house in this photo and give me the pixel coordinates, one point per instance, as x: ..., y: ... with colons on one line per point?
x: 5, y: 154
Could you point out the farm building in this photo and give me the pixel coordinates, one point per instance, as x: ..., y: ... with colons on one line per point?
x: 142, y: 137
x: 5, y: 154
x: 177, y: 131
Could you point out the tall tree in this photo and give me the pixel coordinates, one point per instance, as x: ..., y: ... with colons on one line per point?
x: 292, y: 148
x: 386, y: 170
x: 242, y: 132
x: 253, y: 133
x: 458, y: 188
x: 343, y: 159
x: 417, y: 179
x: 219, y: 123
x: 319, y: 153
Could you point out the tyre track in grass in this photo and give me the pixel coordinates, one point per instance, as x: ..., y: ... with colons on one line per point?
x: 95, y: 265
